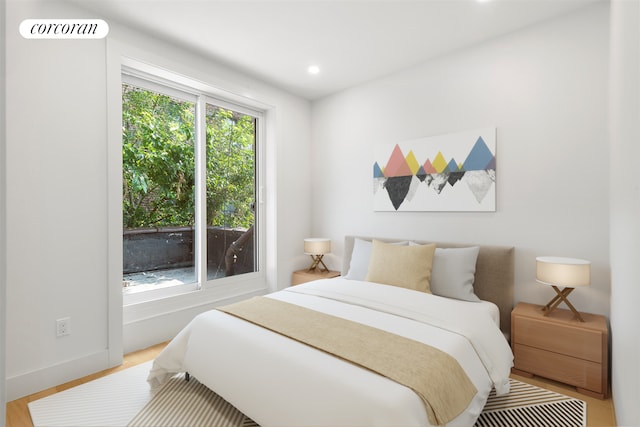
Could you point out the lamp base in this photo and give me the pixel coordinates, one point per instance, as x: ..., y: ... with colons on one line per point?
x: 317, y: 259
x: 560, y: 297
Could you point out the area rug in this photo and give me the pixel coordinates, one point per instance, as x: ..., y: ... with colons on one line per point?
x: 123, y: 399
x: 182, y: 403
x: 110, y: 401
x: 189, y: 403
x: 530, y: 406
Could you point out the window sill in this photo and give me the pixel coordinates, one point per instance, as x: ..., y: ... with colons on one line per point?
x: 154, y: 304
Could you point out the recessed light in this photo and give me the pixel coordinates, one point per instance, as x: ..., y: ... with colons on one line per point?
x: 314, y: 69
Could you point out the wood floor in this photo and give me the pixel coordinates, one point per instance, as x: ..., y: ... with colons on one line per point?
x: 600, y: 413
x: 18, y: 412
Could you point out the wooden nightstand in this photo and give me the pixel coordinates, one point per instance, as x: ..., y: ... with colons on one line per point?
x: 303, y: 276
x: 561, y: 348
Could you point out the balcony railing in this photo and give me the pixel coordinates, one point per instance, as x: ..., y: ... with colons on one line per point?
x: 160, y: 257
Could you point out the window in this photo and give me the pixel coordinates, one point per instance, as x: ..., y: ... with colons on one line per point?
x: 189, y: 178
x: 230, y: 185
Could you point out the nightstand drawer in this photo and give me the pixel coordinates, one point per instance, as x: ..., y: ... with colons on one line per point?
x: 576, y: 342
x: 562, y: 348
x: 576, y: 372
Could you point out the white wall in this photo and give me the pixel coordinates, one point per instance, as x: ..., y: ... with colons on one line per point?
x: 625, y: 209
x: 545, y: 90
x: 57, y: 198
x: 3, y: 228
x: 56, y: 212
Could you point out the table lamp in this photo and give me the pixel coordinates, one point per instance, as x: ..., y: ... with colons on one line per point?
x: 567, y: 273
x: 316, y: 247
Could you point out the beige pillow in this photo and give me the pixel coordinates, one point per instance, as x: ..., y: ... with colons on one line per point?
x: 404, y: 266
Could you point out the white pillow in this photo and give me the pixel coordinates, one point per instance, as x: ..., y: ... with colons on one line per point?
x: 453, y: 273
x: 360, y: 257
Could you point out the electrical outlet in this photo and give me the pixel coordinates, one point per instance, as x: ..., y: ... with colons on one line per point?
x: 63, y: 326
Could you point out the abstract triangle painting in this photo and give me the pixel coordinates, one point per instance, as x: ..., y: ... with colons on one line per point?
x: 455, y: 172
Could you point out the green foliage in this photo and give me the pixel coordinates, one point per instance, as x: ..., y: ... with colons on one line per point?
x: 158, y: 162
x: 230, y: 167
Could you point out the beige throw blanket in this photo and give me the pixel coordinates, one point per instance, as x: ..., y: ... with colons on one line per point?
x: 435, y: 376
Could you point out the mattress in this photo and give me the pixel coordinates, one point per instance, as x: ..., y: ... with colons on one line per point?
x: 280, y: 382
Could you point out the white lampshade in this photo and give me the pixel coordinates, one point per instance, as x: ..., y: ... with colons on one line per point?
x: 317, y: 246
x: 565, y: 272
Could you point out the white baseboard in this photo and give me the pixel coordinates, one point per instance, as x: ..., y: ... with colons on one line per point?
x: 25, y: 384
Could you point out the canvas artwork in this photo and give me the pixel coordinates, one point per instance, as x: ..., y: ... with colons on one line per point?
x: 452, y: 172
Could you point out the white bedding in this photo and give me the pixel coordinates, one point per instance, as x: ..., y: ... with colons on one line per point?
x: 280, y: 382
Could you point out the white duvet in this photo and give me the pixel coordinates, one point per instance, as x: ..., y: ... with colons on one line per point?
x: 280, y: 382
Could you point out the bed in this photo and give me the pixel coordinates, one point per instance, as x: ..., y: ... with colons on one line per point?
x: 280, y: 381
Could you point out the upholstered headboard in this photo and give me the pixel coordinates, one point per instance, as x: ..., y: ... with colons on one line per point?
x: 494, y: 278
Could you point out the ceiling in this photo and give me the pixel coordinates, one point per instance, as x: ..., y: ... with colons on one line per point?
x: 351, y: 41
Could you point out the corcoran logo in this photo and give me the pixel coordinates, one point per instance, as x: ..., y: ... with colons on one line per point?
x: 64, y: 29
